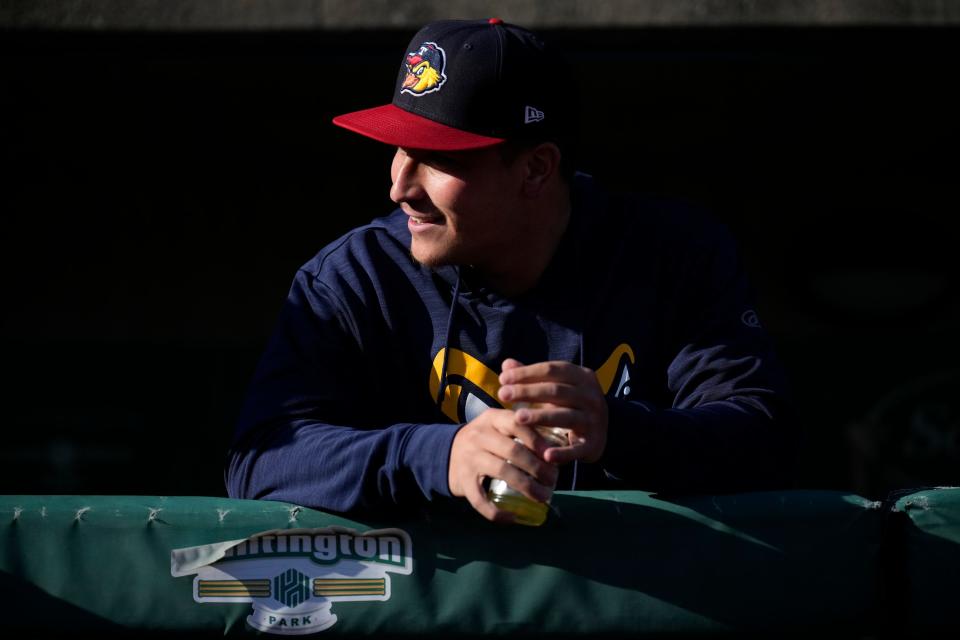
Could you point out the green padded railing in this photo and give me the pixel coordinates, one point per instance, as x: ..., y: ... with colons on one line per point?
x: 605, y: 563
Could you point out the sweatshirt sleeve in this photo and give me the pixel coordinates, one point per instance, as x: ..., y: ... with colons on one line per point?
x: 723, y: 423
x: 307, y: 435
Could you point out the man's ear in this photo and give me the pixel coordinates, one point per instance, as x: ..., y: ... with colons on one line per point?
x: 541, y: 164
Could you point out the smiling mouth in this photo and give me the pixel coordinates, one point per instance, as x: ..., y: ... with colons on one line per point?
x: 422, y: 218
x: 425, y: 219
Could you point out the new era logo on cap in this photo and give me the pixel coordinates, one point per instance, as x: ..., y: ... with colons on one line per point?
x: 532, y: 115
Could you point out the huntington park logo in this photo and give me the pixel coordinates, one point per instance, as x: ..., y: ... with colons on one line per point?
x: 293, y: 576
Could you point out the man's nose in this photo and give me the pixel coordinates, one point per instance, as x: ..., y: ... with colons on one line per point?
x: 406, y: 181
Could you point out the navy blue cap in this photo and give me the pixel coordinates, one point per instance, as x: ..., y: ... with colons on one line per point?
x: 468, y: 84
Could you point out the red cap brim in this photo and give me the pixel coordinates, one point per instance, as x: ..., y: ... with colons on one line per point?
x: 394, y: 126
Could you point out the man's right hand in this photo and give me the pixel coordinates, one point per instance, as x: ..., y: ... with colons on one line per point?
x: 485, y: 447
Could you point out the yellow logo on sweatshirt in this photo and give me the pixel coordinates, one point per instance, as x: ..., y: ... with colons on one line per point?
x: 471, y: 386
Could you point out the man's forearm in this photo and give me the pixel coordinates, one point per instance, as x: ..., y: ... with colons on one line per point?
x: 718, y: 447
x: 341, y: 469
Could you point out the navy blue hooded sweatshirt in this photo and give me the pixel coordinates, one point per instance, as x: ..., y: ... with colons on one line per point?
x: 377, y: 361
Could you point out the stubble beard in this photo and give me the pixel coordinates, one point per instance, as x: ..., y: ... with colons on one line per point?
x: 436, y: 259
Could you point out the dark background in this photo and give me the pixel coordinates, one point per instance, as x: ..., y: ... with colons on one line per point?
x: 159, y: 190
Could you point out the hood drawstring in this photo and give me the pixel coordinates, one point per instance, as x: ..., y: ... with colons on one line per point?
x: 446, y: 341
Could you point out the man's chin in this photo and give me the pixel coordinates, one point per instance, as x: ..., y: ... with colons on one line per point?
x: 431, y: 259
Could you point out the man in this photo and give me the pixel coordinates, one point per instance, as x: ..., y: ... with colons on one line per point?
x: 416, y: 356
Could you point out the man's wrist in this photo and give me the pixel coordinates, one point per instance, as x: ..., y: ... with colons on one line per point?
x: 427, y: 456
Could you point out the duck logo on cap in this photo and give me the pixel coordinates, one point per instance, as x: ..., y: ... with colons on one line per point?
x: 424, y: 70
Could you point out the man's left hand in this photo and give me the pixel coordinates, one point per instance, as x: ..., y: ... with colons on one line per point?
x: 562, y: 395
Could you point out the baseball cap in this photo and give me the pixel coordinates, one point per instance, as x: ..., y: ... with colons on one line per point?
x: 469, y: 84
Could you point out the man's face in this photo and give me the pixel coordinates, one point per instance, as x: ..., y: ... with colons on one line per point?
x: 463, y: 206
